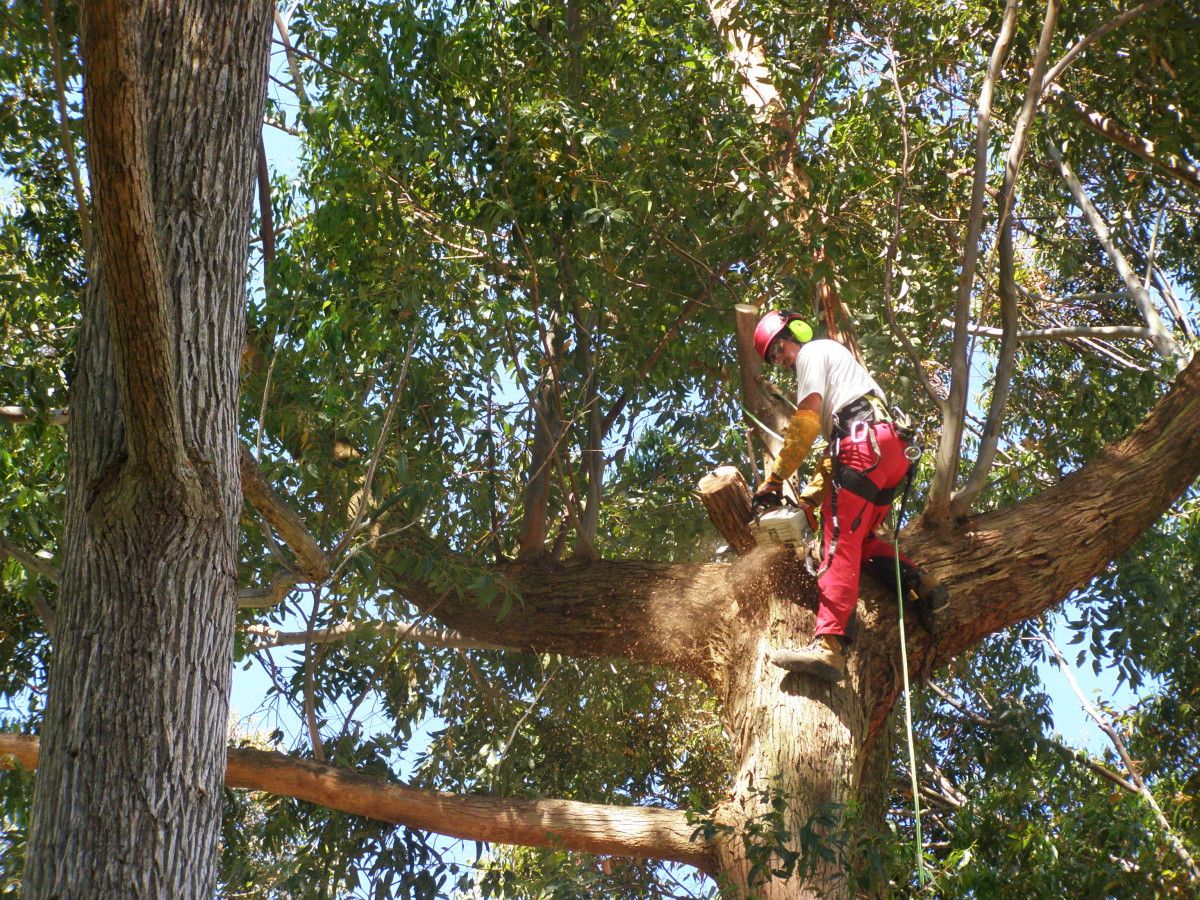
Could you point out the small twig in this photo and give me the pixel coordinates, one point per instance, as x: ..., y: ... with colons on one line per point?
x: 1134, y: 332
x: 365, y: 493
x: 310, y: 709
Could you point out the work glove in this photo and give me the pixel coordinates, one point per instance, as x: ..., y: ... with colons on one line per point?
x: 769, y: 494
x: 818, y: 485
x: 802, y: 430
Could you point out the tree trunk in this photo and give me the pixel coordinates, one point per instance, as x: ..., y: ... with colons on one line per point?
x: 801, y: 748
x: 128, y: 798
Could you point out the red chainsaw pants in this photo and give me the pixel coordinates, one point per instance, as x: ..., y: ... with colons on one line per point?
x: 883, y: 463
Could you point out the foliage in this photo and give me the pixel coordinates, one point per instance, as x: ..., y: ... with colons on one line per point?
x: 519, y: 205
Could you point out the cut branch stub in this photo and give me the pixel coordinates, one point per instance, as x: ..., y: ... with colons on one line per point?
x: 726, y: 497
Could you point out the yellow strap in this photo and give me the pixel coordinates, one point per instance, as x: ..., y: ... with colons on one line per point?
x: 802, y: 430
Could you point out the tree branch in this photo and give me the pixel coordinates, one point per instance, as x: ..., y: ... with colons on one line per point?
x: 1160, y: 338
x: 68, y: 142
x: 312, y: 563
x: 1064, y: 333
x: 1069, y: 753
x: 407, y: 631
x: 1010, y: 564
x: 1119, y: 745
x: 1083, y: 43
x: 635, y: 831
x: 1005, y: 359
x: 127, y: 243
x: 1180, y: 169
x: 946, y: 465
x: 20, y: 415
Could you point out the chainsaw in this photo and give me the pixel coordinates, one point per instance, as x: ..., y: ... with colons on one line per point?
x: 780, y: 523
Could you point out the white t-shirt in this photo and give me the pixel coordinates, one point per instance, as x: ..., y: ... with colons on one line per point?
x: 827, y: 368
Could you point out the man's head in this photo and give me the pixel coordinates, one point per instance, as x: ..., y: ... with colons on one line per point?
x: 778, y: 337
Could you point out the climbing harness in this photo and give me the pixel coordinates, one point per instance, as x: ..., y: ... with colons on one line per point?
x: 912, y: 452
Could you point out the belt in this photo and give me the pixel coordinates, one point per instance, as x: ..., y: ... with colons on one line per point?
x: 867, y: 408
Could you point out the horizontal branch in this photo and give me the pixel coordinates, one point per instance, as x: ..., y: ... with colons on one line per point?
x: 1139, y: 332
x: 404, y: 631
x: 640, y: 832
x: 670, y: 614
x: 20, y: 415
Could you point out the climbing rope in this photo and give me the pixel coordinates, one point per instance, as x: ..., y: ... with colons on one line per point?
x: 922, y: 875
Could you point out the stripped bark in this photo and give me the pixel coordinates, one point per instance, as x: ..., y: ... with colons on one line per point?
x: 635, y: 831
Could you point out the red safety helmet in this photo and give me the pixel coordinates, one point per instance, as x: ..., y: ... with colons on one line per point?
x: 775, y: 323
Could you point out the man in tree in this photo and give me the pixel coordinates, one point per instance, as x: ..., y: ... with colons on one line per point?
x: 854, y: 483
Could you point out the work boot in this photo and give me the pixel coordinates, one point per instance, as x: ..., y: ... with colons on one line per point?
x: 932, y: 600
x: 823, y: 658
x: 917, y: 587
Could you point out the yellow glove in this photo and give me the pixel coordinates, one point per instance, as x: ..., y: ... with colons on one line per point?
x: 818, y: 485
x: 802, y: 430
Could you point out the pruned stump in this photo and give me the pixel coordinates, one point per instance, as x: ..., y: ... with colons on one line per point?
x: 727, y: 499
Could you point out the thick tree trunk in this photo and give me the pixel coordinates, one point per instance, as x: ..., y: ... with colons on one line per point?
x: 129, y: 794
x: 800, y: 751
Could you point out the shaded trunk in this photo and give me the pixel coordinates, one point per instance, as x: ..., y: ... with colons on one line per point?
x: 129, y: 793
x: 801, y: 748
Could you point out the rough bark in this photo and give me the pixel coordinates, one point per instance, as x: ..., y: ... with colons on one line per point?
x: 135, y: 722
x: 726, y: 498
x: 637, y: 831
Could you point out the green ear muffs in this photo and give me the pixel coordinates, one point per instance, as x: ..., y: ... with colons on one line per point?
x: 800, y: 330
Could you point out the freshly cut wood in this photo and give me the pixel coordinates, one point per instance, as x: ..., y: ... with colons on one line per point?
x: 726, y: 497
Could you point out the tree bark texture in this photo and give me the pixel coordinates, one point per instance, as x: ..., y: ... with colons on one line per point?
x: 135, y: 724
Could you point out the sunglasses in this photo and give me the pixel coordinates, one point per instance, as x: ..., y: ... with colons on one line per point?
x: 775, y: 353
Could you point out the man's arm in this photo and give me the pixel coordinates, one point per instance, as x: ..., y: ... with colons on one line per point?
x: 802, y: 430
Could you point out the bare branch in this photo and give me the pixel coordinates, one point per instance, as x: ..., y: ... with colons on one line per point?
x: 290, y: 52
x: 949, y: 448
x: 1083, y: 43
x: 1070, y: 753
x: 20, y: 415
x: 990, y: 438
x: 36, y: 564
x: 1063, y: 333
x: 1130, y: 766
x: 634, y: 831
x: 312, y: 563
x: 1160, y: 338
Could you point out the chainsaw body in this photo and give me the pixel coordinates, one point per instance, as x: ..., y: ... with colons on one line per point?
x: 782, y: 526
